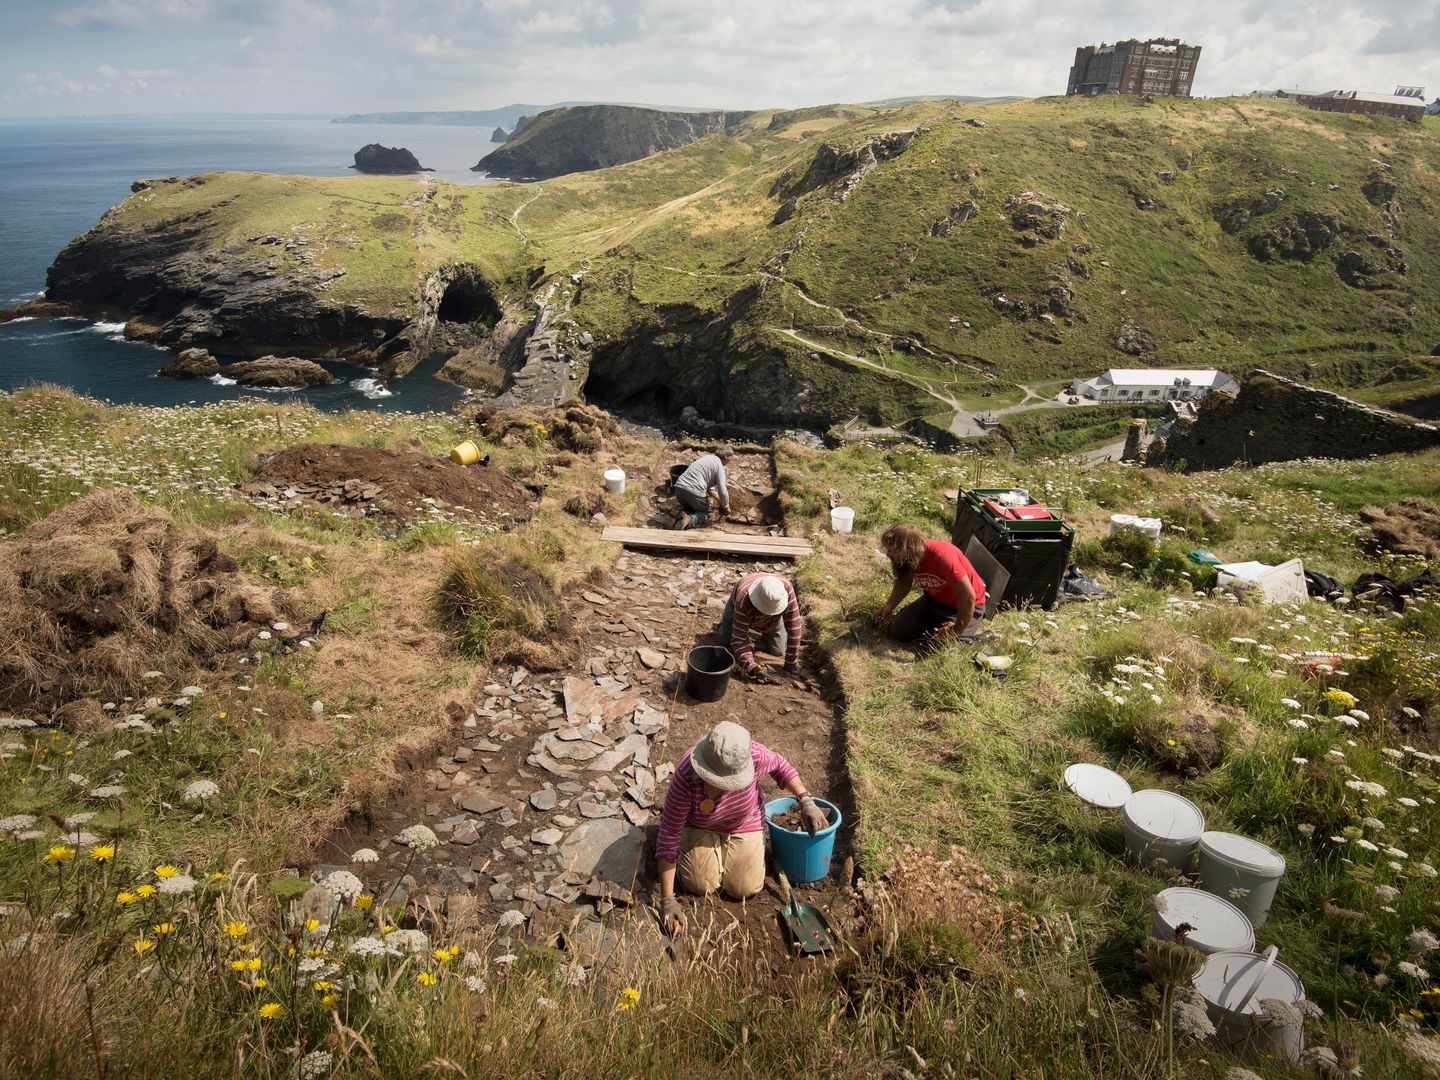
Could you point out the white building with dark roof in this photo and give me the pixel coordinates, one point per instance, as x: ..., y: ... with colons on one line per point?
x: 1154, y: 384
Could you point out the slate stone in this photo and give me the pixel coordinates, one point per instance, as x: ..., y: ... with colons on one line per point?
x: 544, y: 799
x: 547, y: 836
x: 650, y: 658
x: 605, y: 848
x: 481, y: 803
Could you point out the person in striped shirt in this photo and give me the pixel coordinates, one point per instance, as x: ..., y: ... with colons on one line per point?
x: 711, y: 831
x: 763, y: 605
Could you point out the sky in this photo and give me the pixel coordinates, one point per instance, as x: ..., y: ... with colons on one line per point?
x: 91, y: 57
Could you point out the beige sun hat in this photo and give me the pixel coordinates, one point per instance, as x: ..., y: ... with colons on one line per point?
x: 722, y: 758
x: 769, y: 595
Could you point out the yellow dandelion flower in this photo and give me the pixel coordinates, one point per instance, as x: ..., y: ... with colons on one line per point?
x: 125, y: 898
x: 218, y: 875
x: 260, y: 984
x: 313, y: 953
x: 270, y: 1010
x: 145, y: 891
x: 102, y: 852
x: 222, y: 716
x: 364, y: 901
x: 166, y: 871
x: 446, y: 955
x: 237, y: 965
x: 324, y: 984
x: 425, y: 978
x: 628, y: 998
x: 143, y: 945
x: 236, y: 929
x: 57, y: 855
x: 330, y: 1000
x: 163, y: 928
x: 312, y: 924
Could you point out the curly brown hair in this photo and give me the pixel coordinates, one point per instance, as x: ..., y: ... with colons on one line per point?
x: 904, y: 545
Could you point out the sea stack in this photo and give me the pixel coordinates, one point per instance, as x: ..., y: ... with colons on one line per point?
x: 375, y: 158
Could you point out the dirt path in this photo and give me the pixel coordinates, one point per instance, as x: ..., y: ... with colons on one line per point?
x: 545, y: 810
x: 515, y: 217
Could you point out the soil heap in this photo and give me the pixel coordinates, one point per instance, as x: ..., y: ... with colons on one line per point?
x: 403, y: 485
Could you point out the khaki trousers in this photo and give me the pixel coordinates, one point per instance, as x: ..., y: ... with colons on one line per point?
x: 734, y: 863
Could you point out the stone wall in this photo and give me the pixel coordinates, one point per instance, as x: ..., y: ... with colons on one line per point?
x: 1275, y: 419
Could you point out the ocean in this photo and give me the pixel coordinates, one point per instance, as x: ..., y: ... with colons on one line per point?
x: 58, y: 177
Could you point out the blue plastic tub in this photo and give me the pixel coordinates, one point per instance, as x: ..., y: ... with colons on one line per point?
x: 800, y: 856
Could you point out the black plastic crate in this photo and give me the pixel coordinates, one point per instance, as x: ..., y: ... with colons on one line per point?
x: 1035, y: 561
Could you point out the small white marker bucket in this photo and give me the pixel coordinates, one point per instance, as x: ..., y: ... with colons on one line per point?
x: 842, y: 519
x: 1161, y: 826
x: 1216, y: 925
x: 1242, y: 871
x: 1233, y: 984
x: 615, y: 481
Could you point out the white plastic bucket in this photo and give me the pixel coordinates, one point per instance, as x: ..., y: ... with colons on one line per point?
x: 615, y: 481
x: 1215, y: 925
x: 1098, y: 785
x: 842, y: 519
x: 1233, y: 984
x: 1161, y: 826
x: 1150, y: 527
x: 1242, y: 871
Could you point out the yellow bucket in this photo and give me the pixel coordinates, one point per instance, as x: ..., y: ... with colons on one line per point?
x: 467, y: 453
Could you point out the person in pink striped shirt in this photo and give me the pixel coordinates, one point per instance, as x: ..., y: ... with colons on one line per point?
x: 712, y: 831
x: 764, y: 605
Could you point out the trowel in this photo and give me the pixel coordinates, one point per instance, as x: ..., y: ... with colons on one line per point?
x: 805, y: 925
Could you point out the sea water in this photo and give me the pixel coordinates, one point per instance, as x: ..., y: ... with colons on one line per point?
x: 57, y: 177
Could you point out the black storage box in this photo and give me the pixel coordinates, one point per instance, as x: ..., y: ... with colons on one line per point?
x: 1034, y: 559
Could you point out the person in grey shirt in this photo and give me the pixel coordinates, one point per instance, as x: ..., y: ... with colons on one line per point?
x: 693, y: 487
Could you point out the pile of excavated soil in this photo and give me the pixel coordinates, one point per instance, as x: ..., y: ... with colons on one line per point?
x: 583, y: 429
x: 404, y: 485
x: 1408, y: 527
x: 108, y: 588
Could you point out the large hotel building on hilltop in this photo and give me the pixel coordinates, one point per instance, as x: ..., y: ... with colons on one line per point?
x: 1162, y: 66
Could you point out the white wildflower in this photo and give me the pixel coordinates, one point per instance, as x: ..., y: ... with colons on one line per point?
x: 1296, y: 723
x: 1348, y: 721
x: 1428, y: 870
x: 17, y: 823
x: 418, y: 838
x: 106, y: 791
x: 475, y: 984
x: 411, y: 941
x: 1421, y: 942
x: 1386, y: 894
x: 1360, y: 714
x: 510, y: 918
x: 343, y: 885
x: 15, y: 723
x: 570, y: 975
x: 1396, y: 853
x: 1290, y: 701
x: 1305, y: 829
x: 1367, y: 787
x: 201, y: 791
x: 1372, y: 823
x: 369, y: 946
x: 508, y: 958
x: 1366, y: 845
x: 365, y: 855
x: 1406, y: 801
x: 1281, y: 1013
x: 1301, y: 760
x: 1415, y: 971
x: 314, y: 1065
x: 176, y: 885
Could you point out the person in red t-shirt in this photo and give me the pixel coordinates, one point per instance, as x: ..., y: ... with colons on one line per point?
x: 953, y: 601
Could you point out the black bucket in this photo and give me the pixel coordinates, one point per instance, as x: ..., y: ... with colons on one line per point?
x: 707, y: 672
x: 676, y: 471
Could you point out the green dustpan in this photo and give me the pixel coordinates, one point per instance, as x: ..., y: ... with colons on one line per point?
x: 805, y: 925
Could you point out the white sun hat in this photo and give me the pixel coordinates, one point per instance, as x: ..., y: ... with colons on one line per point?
x: 722, y: 758
x: 769, y: 595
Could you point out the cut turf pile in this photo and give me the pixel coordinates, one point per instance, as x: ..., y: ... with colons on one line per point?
x: 108, y: 588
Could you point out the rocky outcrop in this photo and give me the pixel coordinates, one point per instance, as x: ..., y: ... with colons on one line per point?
x: 1036, y: 217
x: 841, y: 168
x: 277, y: 372
x: 499, y: 135
x: 1235, y: 216
x: 590, y: 137
x: 1276, y: 419
x: 1301, y: 237
x: 191, y: 364
x: 374, y: 158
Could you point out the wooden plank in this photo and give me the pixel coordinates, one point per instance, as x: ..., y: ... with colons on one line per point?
x: 712, y: 541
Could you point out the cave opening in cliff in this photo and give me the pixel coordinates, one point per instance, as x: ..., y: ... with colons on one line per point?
x: 467, y: 299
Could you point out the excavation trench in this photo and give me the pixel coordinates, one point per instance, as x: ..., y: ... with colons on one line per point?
x: 542, y: 812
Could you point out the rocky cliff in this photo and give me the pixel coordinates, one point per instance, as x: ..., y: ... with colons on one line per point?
x: 596, y: 137
x: 1277, y: 419
x: 374, y: 158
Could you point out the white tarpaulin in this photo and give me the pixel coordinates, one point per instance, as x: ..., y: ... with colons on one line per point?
x: 1283, y: 584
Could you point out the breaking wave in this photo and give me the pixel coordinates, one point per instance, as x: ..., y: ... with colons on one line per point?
x: 372, y: 388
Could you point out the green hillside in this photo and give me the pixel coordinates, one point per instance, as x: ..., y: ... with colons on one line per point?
x: 1029, y: 241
